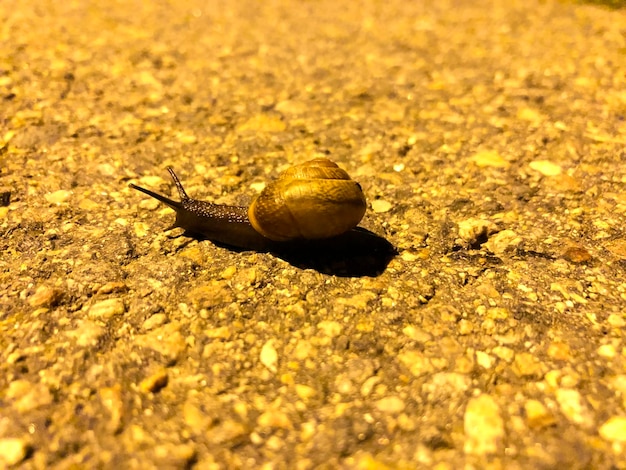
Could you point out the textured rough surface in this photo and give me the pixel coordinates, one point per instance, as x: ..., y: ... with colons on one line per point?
x: 489, y: 138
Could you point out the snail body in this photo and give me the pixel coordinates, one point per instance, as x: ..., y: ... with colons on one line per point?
x: 311, y: 201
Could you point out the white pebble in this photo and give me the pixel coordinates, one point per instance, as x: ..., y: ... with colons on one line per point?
x: 58, y: 197
x: 13, y: 450
x: 484, y: 426
x: 269, y: 356
x: 380, y: 205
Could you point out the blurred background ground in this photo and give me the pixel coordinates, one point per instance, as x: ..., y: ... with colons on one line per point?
x: 489, y: 138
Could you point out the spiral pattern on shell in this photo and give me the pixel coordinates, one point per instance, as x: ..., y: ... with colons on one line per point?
x: 313, y: 200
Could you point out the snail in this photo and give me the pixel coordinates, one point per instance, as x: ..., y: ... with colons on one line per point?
x: 315, y: 200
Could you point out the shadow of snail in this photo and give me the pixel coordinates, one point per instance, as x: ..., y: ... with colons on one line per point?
x: 308, y: 217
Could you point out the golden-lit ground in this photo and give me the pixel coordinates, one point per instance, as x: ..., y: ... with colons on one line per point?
x: 490, y: 140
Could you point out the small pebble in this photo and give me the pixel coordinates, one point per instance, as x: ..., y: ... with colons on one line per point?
x: 88, y: 205
x: 474, y: 231
x: 380, y: 206
x: 616, y: 320
x: 303, y: 350
x: 193, y: 253
x: 607, y: 351
x: 484, y: 360
x: 154, y: 382
x: 229, y: 272
x: 408, y: 256
x: 111, y: 287
x: 617, y: 247
x: 537, y: 415
x: 269, y: 356
x: 484, y: 426
x: 106, y: 309
x: 274, y: 443
x: 566, y: 183
x: 291, y: 107
x: 227, y: 433
x: 185, y: 138
x: 166, y: 340
x: 274, y: 419
x: 343, y: 385
x: 106, y: 169
x: 500, y: 242
x: 174, y: 455
x: 194, y: 416
x: 258, y: 187
x: 407, y: 423
x: 416, y: 333
x: 359, y: 301
x: 390, y: 405
x: 213, y: 293
x: 86, y: 333
x: 465, y: 327
x: 58, y: 197
x: 489, y: 158
x: 29, y: 396
x: 576, y: 255
x: 559, y: 351
x: 572, y: 406
x: 614, y: 429
x: 504, y: 353
x: 305, y: 392
x: 417, y: 363
x: 546, y: 167
x: 44, y: 296
x: 13, y: 451
x: 529, y: 114
x: 156, y: 320
x: 368, y: 386
x: 527, y: 365
x: 141, y: 229
x: 111, y: 398
x: 151, y: 181
x: 330, y: 328
x: 263, y: 123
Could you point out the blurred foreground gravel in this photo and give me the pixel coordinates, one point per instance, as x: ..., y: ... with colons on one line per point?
x: 490, y: 140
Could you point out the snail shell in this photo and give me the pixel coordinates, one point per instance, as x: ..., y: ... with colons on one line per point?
x: 313, y: 200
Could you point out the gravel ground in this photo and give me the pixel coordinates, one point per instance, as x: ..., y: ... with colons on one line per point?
x: 489, y: 138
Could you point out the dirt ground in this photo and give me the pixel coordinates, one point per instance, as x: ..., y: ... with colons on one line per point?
x: 484, y: 329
